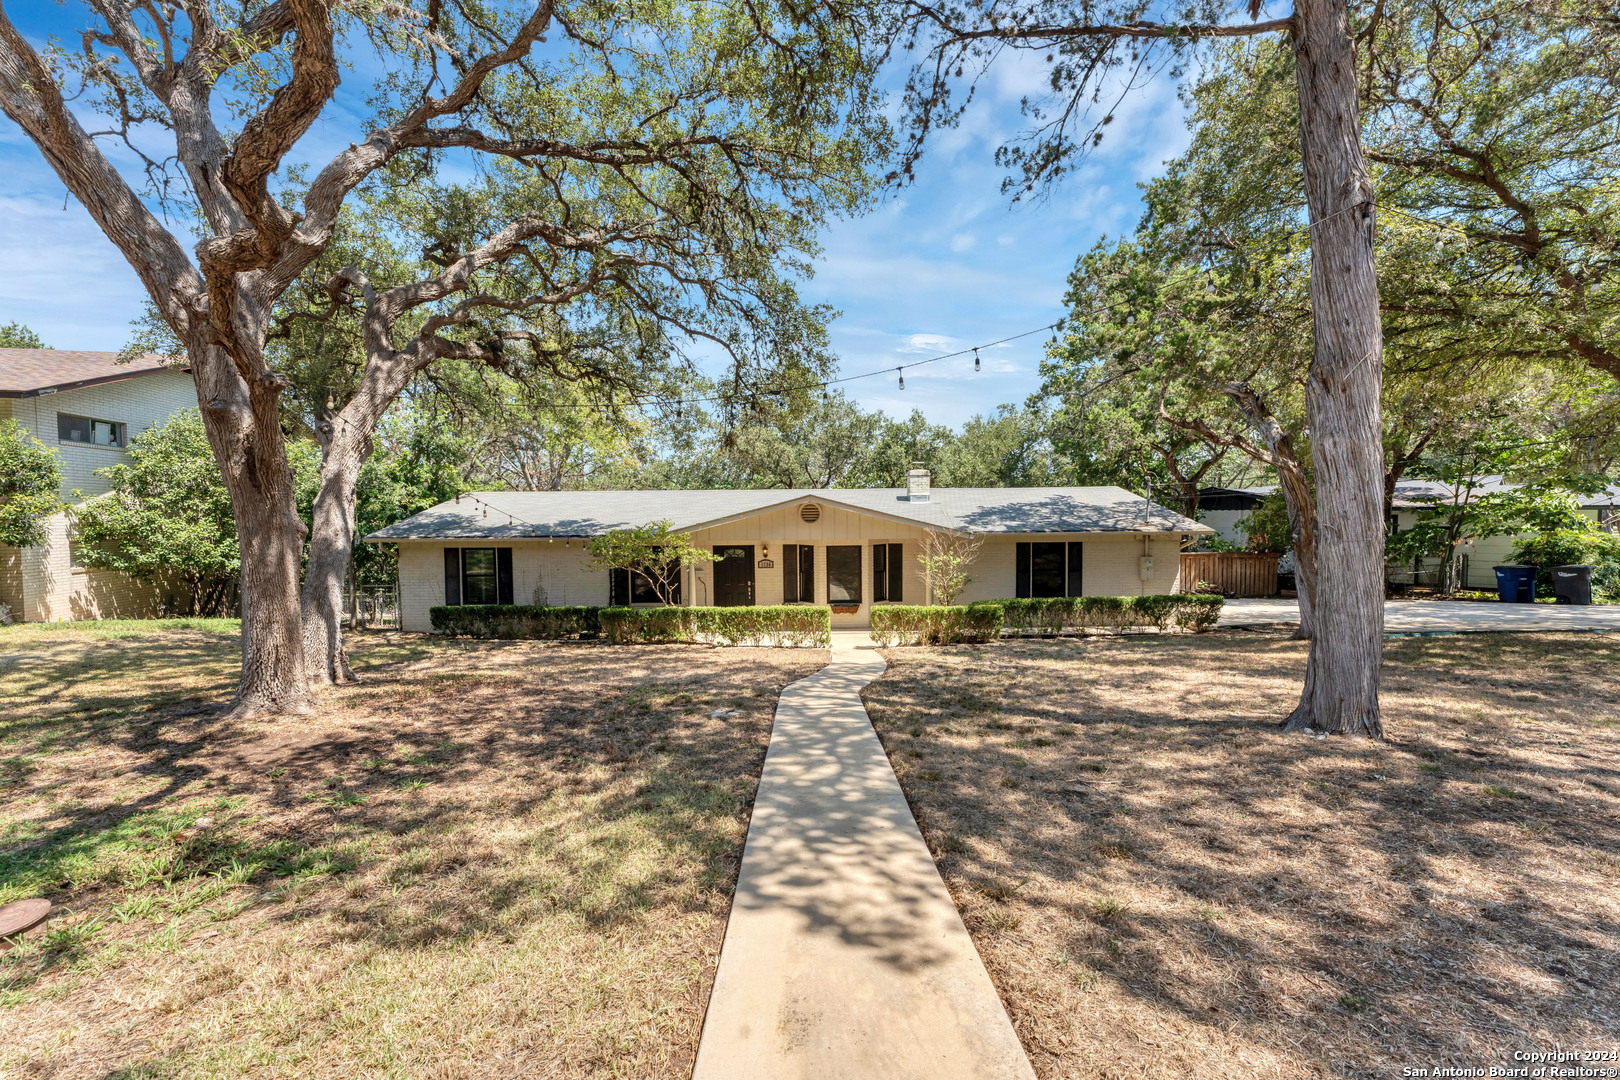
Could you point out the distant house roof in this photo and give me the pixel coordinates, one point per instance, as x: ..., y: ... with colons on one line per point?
x: 519, y: 514
x: 1410, y: 494
x: 31, y: 372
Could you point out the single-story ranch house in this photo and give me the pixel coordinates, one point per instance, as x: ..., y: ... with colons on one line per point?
x: 845, y: 548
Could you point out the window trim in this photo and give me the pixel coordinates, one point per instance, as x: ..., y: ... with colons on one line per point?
x: 1073, y: 575
x: 860, y: 570
x: 120, y: 428
x: 888, y: 580
x: 494, y: 577
x: 455, y: 576
x: 799, y: 564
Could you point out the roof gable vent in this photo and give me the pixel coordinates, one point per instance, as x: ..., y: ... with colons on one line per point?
x: 810, y: 512
x: 917, y: 481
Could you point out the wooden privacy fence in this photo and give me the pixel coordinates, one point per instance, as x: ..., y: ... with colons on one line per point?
x: 1235, y: 573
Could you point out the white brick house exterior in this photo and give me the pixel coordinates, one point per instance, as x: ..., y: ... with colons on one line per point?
x: 45, y: 390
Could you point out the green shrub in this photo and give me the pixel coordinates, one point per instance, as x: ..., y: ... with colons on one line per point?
x: 785, y: 625
x: 516, y: 621
x: 1052, y: 615
x: 1581, y: 546
x: 896, y: 624
x: 913, y: 624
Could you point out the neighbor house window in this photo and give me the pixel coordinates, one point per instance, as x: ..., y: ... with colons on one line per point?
x: 844, y: 574
x: 477, y: 576
x: 83, y: 429
x: 888, y: 573
x: 1048, y: 569
x: 798, y: 573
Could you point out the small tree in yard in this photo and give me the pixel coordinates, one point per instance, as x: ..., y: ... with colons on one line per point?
x: 945, y: 559
x: 656, y: 552
x: 167, y: 520
x: 30, y: 478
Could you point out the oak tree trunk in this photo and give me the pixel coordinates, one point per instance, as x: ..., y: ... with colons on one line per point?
x: 331, y: 553
x: 1283, y: 456
x: 244, y: 429
x: 1302, y: 522
x: 1344, y: 386
x: 332, y: 536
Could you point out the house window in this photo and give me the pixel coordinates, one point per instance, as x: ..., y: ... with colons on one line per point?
x: 888, y: 573
x: 477, y: 576
x: 798, y: 573
x: 625, y: 587
x: 478, y: 581
x: 83, y: 429
x: 1049, y: 569
x: 844, y: 574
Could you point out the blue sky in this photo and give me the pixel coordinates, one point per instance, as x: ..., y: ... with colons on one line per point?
x: 944, y: 264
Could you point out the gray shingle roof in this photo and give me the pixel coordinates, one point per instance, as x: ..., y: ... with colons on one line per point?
x: 516, y: 514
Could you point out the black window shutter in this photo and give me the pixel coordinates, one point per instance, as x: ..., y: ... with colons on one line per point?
x: 1021, y: 571
x: 503, y: 575
x: 1076, y: 567
x: 452, y: 576
x: 807, y: 573
x: 790, y: 573
x: 880, y: 571
x: 618, y: 588
x: 897, y: 573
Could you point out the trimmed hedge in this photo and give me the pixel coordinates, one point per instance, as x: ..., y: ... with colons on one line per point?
x: 914, y: 624
x: 516, y: 621
x: 898, y: 624
x: 785, y: 625
x: 1164, y: 611
x: 781, y: 625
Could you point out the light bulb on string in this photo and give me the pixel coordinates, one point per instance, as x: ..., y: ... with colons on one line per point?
x: 975, y: 359
x: 902, y: 372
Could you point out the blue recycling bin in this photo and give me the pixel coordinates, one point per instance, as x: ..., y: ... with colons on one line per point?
x: 1516, y: 584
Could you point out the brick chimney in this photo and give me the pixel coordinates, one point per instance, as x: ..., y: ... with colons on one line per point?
x: 917, y: 479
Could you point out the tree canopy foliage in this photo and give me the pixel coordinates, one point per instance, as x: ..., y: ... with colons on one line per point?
x: 14, y: 335
x: 30, y: 484
x: 167, y: 519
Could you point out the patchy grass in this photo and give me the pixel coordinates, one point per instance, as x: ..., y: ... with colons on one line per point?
x: 486, y: 859
x: 1162, y: 884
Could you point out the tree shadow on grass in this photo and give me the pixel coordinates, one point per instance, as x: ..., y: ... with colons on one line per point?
x: 458, y: 795
x: 1342, y: 906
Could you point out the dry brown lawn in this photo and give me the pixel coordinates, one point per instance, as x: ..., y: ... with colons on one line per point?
x: 489, y: 859
x: 1163, y: 885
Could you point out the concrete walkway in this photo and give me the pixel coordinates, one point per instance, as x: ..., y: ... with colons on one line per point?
x: 1430, y: 616
x: 844, y: 958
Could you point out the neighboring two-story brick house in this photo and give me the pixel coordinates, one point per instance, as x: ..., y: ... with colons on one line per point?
x: 88, y: 407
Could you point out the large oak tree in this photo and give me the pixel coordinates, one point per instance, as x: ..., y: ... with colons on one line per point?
x: 671, y: 160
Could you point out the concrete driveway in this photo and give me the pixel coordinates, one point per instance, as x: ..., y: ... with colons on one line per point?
x: 1420, y: 616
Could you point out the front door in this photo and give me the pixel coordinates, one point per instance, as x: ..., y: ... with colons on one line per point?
x: 734, y: 577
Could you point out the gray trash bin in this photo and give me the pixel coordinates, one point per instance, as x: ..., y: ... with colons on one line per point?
x: 1572, y: 584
